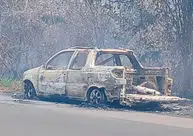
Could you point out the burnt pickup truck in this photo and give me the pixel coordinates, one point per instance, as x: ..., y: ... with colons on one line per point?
x: 98, y: 76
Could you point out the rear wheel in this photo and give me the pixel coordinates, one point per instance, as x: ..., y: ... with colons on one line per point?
x: 29, y: 91
x: 96, y: 97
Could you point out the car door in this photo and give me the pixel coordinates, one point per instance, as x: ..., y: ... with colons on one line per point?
x: 77, y: 76
x: 52, y: 78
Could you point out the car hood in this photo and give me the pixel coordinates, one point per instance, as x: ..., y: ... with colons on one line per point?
x: 33, y: 70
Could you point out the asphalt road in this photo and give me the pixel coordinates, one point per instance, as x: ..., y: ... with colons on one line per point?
x: 34, y: 118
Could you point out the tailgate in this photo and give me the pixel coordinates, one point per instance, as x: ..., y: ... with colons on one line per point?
x: 137, y: 98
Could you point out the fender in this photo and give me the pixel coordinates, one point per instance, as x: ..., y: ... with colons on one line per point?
x: 32, y: 76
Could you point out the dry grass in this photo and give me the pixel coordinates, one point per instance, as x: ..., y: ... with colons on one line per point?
x: 10, y: 85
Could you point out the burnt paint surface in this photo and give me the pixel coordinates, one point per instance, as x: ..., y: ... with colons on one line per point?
x: 75, y: 83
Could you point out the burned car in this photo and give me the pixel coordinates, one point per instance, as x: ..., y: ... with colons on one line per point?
x: 98, y: 76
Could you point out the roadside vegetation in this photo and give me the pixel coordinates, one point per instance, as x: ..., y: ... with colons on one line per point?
x: 159, y: 32
x: 9, y: 84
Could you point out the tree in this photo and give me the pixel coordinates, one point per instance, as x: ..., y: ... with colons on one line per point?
x: 178, y: 20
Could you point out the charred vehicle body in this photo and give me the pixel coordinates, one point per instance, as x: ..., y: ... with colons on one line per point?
x: 98, y: 76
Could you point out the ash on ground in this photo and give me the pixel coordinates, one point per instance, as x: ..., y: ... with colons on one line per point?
x: 181, y: 109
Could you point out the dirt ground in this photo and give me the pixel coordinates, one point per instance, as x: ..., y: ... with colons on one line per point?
x: 184, y: 109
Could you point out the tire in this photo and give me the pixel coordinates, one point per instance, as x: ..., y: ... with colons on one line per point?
x: 96, y: 97
x: 29, y: 91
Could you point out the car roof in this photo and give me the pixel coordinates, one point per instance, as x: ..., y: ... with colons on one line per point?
x: 108, y: 50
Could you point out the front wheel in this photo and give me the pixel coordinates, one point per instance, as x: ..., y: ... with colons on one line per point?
x: 29, y: 90
x: 96, y: 97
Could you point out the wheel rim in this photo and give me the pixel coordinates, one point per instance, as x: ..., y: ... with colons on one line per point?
x: 96, y: 97
x: 29, y: 91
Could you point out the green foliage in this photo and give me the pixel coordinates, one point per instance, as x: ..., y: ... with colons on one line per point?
x: 6, y: 82
x: 11, y: 84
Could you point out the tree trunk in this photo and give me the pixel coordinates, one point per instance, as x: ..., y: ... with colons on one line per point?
x: 186, y: 46
x: 187, y: 77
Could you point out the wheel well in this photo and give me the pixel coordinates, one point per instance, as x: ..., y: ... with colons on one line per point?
x: 29, y: 82
x: 102, y: 89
